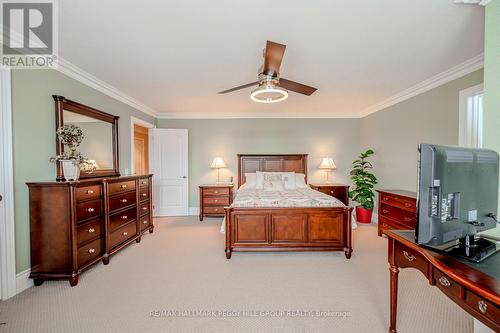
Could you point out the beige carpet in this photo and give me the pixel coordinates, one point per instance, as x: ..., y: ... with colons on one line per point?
x: 182, y: 267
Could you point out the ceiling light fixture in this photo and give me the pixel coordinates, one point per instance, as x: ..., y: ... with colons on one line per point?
x: 269, y: 93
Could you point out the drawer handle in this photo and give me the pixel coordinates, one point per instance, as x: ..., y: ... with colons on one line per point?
x: 123, y: 200
x: 407, y: 219
x: 482, y: 306
x: 407, y: 204
x: 216, y: 200
x: 385, y: 225
x: 408, y: 256
x: 124, y: 217
x: 90, y: 210
x: 216, y: 192
x: 124, y: 186
x: 91, y: 230
x: 144, y: 208
x: 124, y: 233
x: 144, y: 194
x: 444, y: 281
x: 145, y: 221
x: 90, y: 192
x: 385, y: 211
x: 91, y: 250
x: 143, y: 182
x: 331, y: 192
x: 386, y: 199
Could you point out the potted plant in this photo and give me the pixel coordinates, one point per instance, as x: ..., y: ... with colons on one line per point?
x: 71, y: 160
x: 364, y: 181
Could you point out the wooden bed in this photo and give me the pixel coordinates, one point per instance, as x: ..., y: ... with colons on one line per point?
x: 285, y: 229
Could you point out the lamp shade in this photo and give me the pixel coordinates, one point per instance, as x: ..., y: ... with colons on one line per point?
x: 327, y: 163
x: 217, y: 163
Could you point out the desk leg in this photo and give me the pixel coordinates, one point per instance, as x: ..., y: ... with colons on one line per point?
x: 394, y: 297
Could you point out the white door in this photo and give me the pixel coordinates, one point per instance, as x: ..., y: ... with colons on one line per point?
x: 169, y: 165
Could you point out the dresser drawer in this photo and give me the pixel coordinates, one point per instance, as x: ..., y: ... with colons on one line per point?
x: 89, y: 252
x: 404, y: 203
x: 88, y: 209
x: 144, y: 193
x: 406, y: 257
x: 144, y: 208
x: 216, y: 201
x: 88, y: 231
x: 144, y: 221
x: 88, y: 193
x: 447, y: 284
x: 122, y: 234
x: 219, y: 210
x: 121, y: 187
x: 216, y: 191
x: 122, y: 200
x: 144, y: 182
x: 482, y: 306
x: 401, y: 216
x: 387, y: 224
x: 122, y: 218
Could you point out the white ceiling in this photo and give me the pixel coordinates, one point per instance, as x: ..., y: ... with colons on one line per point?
x: 174, y: 56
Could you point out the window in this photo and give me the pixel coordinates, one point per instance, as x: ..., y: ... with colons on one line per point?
x: 471, y: 117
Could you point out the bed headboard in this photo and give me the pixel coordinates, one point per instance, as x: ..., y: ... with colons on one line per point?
x: 271, y: 163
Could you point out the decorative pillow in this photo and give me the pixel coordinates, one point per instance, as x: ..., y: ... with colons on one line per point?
x: 274, y: 185
x: 289, y: 179
x: 251, y: 180
x: 300, y: 180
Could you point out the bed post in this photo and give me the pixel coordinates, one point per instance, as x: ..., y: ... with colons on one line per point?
x: 228, y: 249
x: 348, y: 249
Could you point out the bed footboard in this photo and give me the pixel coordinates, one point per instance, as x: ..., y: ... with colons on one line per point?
x: 288, y: 229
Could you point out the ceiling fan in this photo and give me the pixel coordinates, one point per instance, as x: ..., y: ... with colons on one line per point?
x: 271, y: 87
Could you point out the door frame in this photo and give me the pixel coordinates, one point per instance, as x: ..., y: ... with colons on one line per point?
x: 7, y: 229
x: 143, y: 123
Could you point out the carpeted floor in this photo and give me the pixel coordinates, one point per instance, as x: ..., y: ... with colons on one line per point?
x: 182, y: 267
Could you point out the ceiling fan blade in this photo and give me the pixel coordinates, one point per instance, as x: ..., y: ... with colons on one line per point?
x: 238, y: 88
x: 272, y: 58
x: 297, y: 87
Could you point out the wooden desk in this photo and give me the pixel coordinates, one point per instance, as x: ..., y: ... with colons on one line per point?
x: 475, y: 287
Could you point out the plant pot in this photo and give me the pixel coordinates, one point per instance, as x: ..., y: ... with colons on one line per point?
x: 71, y: 169
x: 363, y: 215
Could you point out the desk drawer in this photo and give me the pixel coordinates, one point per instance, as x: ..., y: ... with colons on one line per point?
x: 122, y: 234
x: 88, y: 193
x: 447, y: 285
x: 122, y: 218
x: 122, y: 201
x: 216, y: 201
x: 144, y: 193
x: 400, y: 202
x: 216, y: 191
x: 88, y: 231
x: 406, y: 257
x: 214, y: 210
x: 121, y: 187
x: 399, y: 215
x: 88, y: 209
x: 482, y: 306
x: 89, y: 252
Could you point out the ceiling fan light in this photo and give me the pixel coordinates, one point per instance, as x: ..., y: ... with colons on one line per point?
x: 269, y: 94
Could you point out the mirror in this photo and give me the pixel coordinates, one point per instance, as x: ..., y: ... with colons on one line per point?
x: 100, y: 144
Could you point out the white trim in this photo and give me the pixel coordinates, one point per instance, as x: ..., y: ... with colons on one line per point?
x: 23, y: 281
x: 254, y: 115
x: 451, y: 74
x: 194, y: 210
x: 140, y: 122
x: 462, y: 112
x: 7, y: 227
x: 88, y: 79
x: 473, y: 2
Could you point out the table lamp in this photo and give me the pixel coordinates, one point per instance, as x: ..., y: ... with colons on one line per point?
x: 218, y: 163
x: 327, y: 164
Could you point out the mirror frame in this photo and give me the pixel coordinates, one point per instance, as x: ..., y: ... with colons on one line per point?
x: 65, y: 104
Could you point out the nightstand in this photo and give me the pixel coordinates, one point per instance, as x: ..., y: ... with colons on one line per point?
x: 338, y: 191
x: 213, y: 199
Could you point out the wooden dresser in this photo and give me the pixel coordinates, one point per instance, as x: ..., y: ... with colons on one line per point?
x: 213, y: 199
x: 338, y: 191
x: 397, y: 209
x: 75, y: 224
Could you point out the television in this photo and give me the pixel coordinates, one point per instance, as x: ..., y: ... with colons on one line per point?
x: 457, y: 197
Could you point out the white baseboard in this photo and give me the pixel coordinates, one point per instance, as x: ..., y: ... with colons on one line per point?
x: 194, y: 210
x: 23, y: 281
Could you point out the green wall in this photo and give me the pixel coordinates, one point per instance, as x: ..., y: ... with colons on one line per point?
x: 34, y: 136
x: 492, y: 82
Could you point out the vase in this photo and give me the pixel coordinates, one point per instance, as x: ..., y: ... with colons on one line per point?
x: 363, y: 215
x: 71, y: 169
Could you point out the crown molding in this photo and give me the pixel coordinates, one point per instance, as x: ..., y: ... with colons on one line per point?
x: 473, y: 2
x: 257, y: 115
x: 449, y: 75
x: 69, y: 69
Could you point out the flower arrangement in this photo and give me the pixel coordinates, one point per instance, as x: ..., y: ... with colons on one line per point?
x: 72, y: 136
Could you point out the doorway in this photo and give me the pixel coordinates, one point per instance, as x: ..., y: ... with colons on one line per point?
x: 141, y: 150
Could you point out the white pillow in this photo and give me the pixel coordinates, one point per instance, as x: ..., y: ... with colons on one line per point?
x: 251, y: 180
x: 289, y: 180
x: 300, y: 180
x: 274, y: 185
x: 287, y: 177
